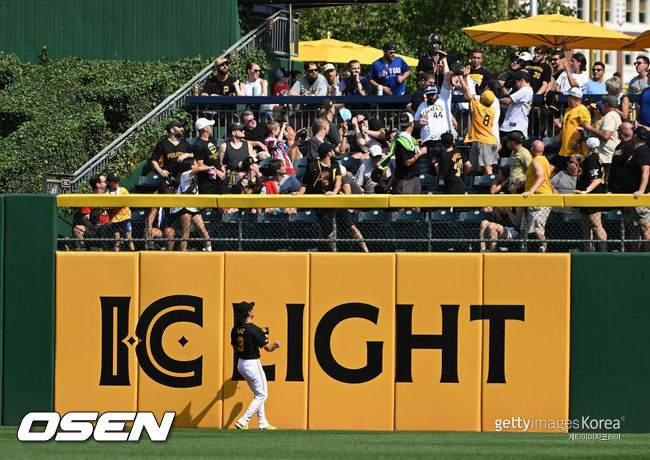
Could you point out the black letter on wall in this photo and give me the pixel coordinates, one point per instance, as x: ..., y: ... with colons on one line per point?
x: 121, y: 330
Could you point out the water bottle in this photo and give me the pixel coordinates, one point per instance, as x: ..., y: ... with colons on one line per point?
x: 380, y: 90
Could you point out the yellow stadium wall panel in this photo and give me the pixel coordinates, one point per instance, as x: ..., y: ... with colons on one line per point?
x: 96, y: 315
x: 438, y: 348
x: 352, y: 352
x: 279, y: 285
x: 525, y: 318
x: 180, y: 337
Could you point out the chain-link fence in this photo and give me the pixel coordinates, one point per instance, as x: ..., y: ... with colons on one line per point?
x: 467, y: 228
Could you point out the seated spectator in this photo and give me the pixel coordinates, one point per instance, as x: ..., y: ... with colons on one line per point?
x: 355, y: 84
x: 324, y: 177
x: 120, y: 217
x: 234, y: 151
x: 278, y: 149
x: 312, y: 84
x: 256, y: 86
x: 452, y: 166
x: 565, y: 181
x: 574, y: 66
x: 334, y: 134
x: 221, y: 84
x: 320, y: 127
x: 366, y: 168
x: 505, y: 77
x: 281, y: 87
x: 332, y: 79
x: 614, y: 87
x: 538, y: 181
x: 502, y: 224
x: 591, y: 178
x: 183, y: 218
x: 294, y: 76
x: 389, y: 73
x: 254, y: 132
x: 248, y: 180
x: 93, y: 222
x: 501, y: 181
x: 280, y: 182
x: 159, y: 223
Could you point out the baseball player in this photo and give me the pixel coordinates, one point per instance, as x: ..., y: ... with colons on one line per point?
x: 247, y: 339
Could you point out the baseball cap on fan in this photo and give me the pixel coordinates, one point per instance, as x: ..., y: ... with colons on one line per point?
x: 592, y: 142
x: 202, y: 123
x: 435, y: 38
x: 525, y: 56
x: 405, y: 119
x: 575, y: 92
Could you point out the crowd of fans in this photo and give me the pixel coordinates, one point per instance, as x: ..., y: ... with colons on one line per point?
x: 602, y: 138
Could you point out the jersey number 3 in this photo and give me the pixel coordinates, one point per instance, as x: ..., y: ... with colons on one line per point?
x: 240, y: 343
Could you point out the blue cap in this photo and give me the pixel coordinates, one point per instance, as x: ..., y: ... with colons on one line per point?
x: 345, y: 114
x: 430, y: 89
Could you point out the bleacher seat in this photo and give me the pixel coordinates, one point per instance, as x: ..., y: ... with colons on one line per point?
x: 443, y: 226
x: 149, y: 183
x: 300, y: 166
x: 469, y: 223
x: 373, y: 224
x: 408, y: 226
x: 483, y: 183
x: 428, y: 183
x: 303, y: 225
x: 350, y: 163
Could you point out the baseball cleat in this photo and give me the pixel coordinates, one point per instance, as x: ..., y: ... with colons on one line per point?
x: 270, y: 427
x: 240, y: 426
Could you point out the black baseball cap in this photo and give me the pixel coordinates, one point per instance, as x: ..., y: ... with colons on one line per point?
x: 435, y: 38
x: 235, y: 127
x: 244, y: 307
x: 640, y: 132
x: 516, y: 136
x: 324, y: 149
x: 174, y: 124
x: 389, y: 46
x: 112, y: 177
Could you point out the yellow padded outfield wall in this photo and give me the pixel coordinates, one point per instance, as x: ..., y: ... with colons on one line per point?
x: 463, y: 342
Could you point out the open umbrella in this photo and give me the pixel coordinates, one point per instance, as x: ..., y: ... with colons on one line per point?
x: 553, y: 30
x: 640, y: 43
x: 331, y: 50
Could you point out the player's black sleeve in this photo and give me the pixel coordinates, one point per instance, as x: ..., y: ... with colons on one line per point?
x: 258, y: 336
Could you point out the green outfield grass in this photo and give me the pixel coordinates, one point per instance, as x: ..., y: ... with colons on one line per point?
x: 196, y: 443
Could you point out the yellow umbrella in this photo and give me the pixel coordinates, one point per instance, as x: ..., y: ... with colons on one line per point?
x: 553, y: 30
x: 640, y: 43
x: 331, y: 50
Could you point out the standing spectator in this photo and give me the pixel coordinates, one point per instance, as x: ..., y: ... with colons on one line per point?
x: 120, y: 217
x: 312, y: 84
x: 606, y: 131
x: 170, y: 151
x: 432, y: 61
x: 364, y: 173
x: 407, y: 152
x: 514, y: 68
x: 417, y: 98
x: 591, y: 178
x: 236, y: 150
x: 483, y: 143
x: 254, y: 132
x: 571, y: 141
x: 640, y: 81
x: 538, y: 181
x: 206, y: 153
x: 323, y: 177
x: 478, y: 73
x: 519, y: 103
x: 634, y: 179
x: 332, y: 79
x: 281, y: 87
x: 389, y: 73
x: 93, y: 222
x: 565, y: 181
x: 452, y: 167
x: 621, y: 153
x: 333, y: 136
x: 185, y: 217
x: 520, y: 159
x: 614, y: 87
x: 556, y: 57
x: 539, y: 71
x: 644, y: 108
x: 596, y: 84
x: 321, y: 127
x: 278, y: 149
x: 434, y: 117
x: 355, y: 84
x: 574, y: 74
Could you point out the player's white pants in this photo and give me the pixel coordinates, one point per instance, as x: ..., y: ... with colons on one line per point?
x: 251, y: 370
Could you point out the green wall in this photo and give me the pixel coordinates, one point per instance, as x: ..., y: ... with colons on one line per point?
x: 28, y: 305
x: 142, y: 30
x: 610, y: 339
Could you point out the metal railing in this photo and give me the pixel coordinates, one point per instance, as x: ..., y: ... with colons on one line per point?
x: 381, y: 223
x: 268, y: 34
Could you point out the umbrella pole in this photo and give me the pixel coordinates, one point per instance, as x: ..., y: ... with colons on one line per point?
x: 289, y: 35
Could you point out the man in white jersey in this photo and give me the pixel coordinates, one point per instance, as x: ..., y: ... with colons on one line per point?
x: 434, y: 115
x: 519, y: 103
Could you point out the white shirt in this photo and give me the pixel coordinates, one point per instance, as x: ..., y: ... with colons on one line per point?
x: 438, y: 116
x: 253, y: 88
x: 517, y: 114
x: 186, y: 181
x: 581, y: 78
